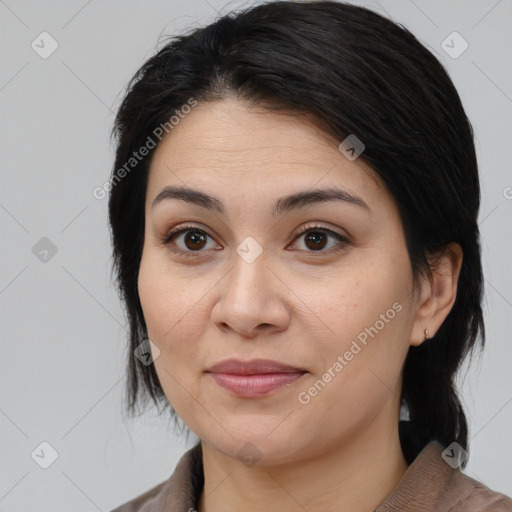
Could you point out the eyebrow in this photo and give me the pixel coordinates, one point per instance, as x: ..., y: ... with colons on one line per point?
x: 283, y: 205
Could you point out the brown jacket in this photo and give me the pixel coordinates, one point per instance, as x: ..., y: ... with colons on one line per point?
x: 429, y: 484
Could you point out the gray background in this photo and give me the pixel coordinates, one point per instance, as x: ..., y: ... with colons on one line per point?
x: 63, y: 349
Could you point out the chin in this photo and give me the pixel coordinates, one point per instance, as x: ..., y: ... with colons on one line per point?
x: 255, y: 446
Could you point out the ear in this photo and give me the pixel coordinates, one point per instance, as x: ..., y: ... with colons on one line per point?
x: 437, y: 294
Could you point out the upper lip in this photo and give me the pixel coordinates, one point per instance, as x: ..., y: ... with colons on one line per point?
x: 253, y: 367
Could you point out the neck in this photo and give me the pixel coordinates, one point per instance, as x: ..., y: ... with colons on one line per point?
x: 357, y: 475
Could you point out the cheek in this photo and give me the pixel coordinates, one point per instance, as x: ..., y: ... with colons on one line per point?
x: 343, y: 303
x: 360, y: 367
x: 172, y: 307
x: 175, y: 318
x: 167, y: 297
x: 360, y: 330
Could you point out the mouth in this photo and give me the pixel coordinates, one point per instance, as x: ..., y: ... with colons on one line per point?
x: 254, y: 378
x: 256, y: 385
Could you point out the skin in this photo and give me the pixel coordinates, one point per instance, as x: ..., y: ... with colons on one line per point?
x: 293, y: 304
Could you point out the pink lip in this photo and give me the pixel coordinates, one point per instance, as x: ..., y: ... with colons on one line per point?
x: 254, y: 385
x: 253, y: 367
x: 253, y: 378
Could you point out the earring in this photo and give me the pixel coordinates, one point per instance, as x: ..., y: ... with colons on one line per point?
x: 427, y: 337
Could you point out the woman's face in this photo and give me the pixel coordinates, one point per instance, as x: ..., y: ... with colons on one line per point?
x: 324, y: 286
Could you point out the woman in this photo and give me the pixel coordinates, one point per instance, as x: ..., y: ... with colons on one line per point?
x: 294, y: 218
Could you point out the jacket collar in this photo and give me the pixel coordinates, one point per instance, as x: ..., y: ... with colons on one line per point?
x: 182, y: 491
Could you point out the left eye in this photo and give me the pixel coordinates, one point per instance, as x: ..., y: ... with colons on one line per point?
x: 316, y: 239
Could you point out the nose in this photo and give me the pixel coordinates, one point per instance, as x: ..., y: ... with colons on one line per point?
x: 252, y: 300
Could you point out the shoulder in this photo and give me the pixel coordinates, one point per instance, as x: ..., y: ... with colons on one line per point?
x: 178, y: 493
x: 476, y: 497
x: 432, y: 484
x: 145, y: 502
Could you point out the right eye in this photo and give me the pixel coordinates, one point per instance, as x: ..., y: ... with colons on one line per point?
x: 192, y: 240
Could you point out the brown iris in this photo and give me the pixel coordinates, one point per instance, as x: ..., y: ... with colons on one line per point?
x: 317, y: 237
x: 194, y: 239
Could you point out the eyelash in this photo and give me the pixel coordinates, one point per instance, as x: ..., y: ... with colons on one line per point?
x: 184, y: 228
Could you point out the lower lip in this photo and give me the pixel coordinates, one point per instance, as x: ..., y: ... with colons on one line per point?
x: 255, y: 385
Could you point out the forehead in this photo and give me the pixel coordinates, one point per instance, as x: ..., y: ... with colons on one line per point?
x: 228, y: 145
